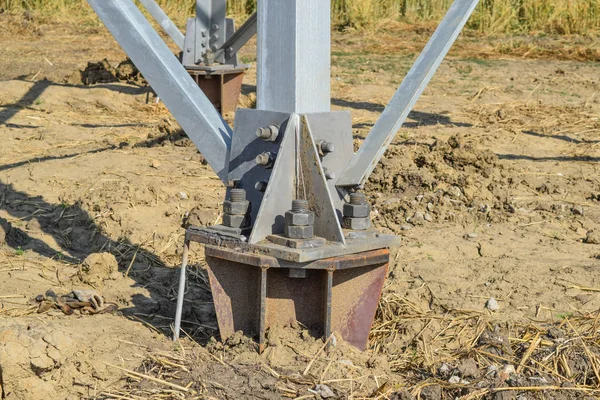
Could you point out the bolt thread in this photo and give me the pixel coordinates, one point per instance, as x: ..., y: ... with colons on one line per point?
x: 299, y: 205
x: 238, y: 195
x: 263, y: 133
x: 263, y: 159
x: 358, y: 198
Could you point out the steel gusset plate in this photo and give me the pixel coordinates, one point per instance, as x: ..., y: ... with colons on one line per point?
x: 252, y: 293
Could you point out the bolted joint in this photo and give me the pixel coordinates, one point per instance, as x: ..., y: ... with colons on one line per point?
x: 268, y: 133
x: 299, y: 205
x: 299, y: 232
x: 324, y: 147
x: 358, y: 198
x: 357, y: 224
x: 237, y: 195
x: 356, y: 210
x: 236, y: 207
x: 266, y: 159
x: 236, y: 221
x: 303, y: 218
x: 329, y: 174
x: 261, y: 186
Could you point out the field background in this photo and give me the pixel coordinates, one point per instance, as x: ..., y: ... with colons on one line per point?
x: 493, y: 183
x: 537, y: 17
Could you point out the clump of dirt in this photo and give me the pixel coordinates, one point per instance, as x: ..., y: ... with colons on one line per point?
x: 447, y: 180
x: 97, y: 268
x: 104, y: 72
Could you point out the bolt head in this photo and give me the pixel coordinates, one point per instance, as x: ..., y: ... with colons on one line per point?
x: 356, y: 210
x: 357, y: 224
x: 236, y: 207
x: 236, y: 221
x: 299, y: 218
x: 299, y: 232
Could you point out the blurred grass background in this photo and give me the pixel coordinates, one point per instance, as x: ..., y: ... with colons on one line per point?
x: 562, y: 17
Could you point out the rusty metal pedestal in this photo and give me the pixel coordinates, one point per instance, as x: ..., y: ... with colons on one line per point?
x: 253, y: 292
x: 221, y: 83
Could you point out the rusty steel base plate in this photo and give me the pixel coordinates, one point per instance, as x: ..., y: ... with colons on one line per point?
x: 252, y: 292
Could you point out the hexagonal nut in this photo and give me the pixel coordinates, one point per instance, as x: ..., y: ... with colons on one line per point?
x: 299, y: 232
x: 356, y: 210
x: 299, y: 218
x: 236, y: 221
x: 357, y: 224
x: 236, y: 207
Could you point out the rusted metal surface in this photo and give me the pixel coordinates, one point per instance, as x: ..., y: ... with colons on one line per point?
x: 222, y: 86
x: 253, y: 292
x: 356, y: 293
x: 286, y: 255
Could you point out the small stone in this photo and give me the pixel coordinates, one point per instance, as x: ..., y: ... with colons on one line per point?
x: 506, y: 372
x: 454, y: 379
x: 430, y: 207
x: 419, y: 198
x: 406, y: 227
x: 468, y: 368
x: 592, y: 237
x: 484, y: 208
x: 417, y: 219
x: 555, y: 333
x: 182, y: 195
x: 444, y: 369
x: 577, y: 210
x: 492, y: 371
x: 433, y: 392
x: 324, y: 391
x: 492, y: 304
x: 428, y: 217
x: 155, y: 164
x: 471, y: 235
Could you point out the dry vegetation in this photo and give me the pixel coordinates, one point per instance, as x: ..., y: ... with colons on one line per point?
x: 491, y: 17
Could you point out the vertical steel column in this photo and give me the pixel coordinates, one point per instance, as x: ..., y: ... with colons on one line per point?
x: 210, y: 28
x: 293, y: 60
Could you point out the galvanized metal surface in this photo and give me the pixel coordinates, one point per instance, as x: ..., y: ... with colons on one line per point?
x: 396, y: 112
x: 251, y: 296
x: 334, y: 127
x: 237, y: 40
x: 164, y: 21
x: 293, y: 56
x: 313, y: 187
x: 192, y: 109
x: 181, y: 290
x: 245, y: 147
x: 279, y: 194
x: 210, y: 29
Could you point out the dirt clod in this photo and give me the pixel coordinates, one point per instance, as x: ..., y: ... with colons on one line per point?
x: 97, y: 268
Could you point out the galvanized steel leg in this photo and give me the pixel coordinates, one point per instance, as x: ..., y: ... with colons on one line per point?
x: 417, y: 79
x: 181, y: 290
x: 164, y: 21
x: 178, y: 91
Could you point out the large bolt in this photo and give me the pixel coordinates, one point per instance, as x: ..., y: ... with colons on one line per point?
x: 268, y: 133
x: 238, y: 195
x: 261, y: 186
x: 356, y: 212
x: 325, y: 147
x: 299, y: 205
x: 358, y: 198
x: 266, y: 159
x: 329, y: 174
x: 299, y: 221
